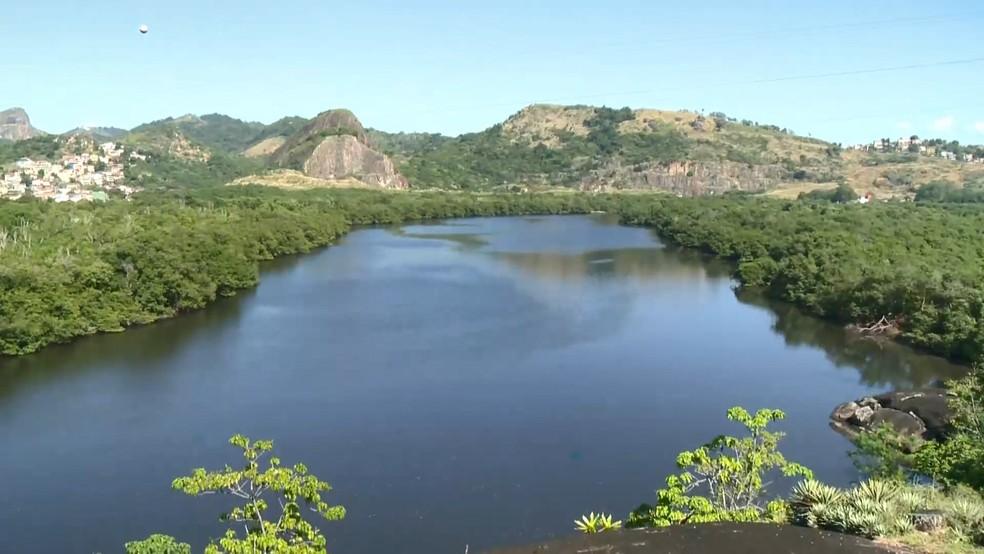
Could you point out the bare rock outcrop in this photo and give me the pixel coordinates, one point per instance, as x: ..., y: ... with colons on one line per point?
x: 16, y: 125
x: 686, y: 178
x: 345, y: 156
x: 335, y: 146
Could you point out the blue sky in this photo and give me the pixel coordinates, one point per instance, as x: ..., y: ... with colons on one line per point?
x: 458, y: 66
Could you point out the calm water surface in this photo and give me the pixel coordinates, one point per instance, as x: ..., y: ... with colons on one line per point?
x: 480, y: 382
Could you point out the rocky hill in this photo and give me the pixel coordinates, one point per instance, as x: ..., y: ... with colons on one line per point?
x: 16, y: 125
x: 594, y: 148
x: 335, y: 146
x: 685, y: 153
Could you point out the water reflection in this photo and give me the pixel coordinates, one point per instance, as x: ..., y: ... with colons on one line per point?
x: 142, y: 348
x: 883, y: 364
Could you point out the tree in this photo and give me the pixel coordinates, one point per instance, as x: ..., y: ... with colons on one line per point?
x: 157, y: 544
x: 731, y: 471
x: 284, y: 531
x: 844, y: 194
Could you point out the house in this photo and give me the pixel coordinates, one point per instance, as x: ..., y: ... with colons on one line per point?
x: 948, y: 155
x: 24, y: 163
x: 866, y: 198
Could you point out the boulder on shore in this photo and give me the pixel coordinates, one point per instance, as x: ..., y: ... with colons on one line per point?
x: 922, y: 413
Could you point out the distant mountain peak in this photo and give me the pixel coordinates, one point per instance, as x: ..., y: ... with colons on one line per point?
x: 15, y: 124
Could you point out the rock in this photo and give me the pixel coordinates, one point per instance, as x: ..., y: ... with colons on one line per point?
x: 870, y: 402
x: 929, y: 521
x: 16, y: 125
x: 844, y: 412
x: 709, y: 538
x: 686, y: 178
x: 903, y: 422
x: 922, y: 412
x: 929, y: 405
x: 346, y: 157
x: 862, y: 416
x: 335, y: 146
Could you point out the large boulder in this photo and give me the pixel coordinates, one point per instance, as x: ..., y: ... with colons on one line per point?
x: 903, y: 422
x: 929, y: 405
x: 923, y: 413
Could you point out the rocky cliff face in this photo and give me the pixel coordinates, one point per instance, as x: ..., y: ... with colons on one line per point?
x: 686, y: 178
x: 16, y: 125
x: 345, y: 156
x: 335, y: 146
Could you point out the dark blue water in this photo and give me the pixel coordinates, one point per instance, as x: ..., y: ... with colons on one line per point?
x: 480, y: 383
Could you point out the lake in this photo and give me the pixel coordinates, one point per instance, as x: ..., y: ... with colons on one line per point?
x: 477, y: 382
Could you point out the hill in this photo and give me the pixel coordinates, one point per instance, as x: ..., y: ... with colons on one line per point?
x: 222, y: 133
x: 104, y: 134
x: 686, y: 153
x: 16, y: 125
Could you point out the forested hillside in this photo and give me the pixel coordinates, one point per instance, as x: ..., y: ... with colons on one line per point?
x: 68, y: 270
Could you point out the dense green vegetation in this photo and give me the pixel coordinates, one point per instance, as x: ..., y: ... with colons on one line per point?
x: 919, y: 266
x: 68, y: 270
x: 44, y: 147
x: 221, y: 133
x: 163, y: 171
x: 945, y: 191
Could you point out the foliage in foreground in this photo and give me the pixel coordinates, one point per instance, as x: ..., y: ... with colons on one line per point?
x: 890, y: 509
x: 730, y: 472
x: 883, y: 453
x: 959, y: 459
x: 272, y: 504
x: 596, y: 523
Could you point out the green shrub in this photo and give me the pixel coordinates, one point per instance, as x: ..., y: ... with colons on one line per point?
x: 157, y: 544
x: 731, y: 472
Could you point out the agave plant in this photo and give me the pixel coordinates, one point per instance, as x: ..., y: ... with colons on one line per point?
x: 965, y: 515
x: 877, y: 491
x: 596, y: 523
x: 810, y: 500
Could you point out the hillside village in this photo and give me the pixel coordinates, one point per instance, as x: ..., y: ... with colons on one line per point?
x: 934, y: 147
x: 89, y: 173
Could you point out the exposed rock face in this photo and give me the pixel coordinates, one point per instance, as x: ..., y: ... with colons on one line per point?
x: 923, y: 413
x: 16, y: 125
x: 345, y: 156
x: 335, y: 146
x: 687, y: 178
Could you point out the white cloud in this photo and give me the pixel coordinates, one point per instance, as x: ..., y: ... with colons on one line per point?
x: 904, y: 125
x: 979, y: 126
x: 944, y: 123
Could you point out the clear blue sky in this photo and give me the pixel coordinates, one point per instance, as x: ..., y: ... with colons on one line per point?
x: 455, y: 66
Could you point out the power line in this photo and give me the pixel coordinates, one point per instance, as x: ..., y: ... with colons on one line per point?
x: 767, y: 80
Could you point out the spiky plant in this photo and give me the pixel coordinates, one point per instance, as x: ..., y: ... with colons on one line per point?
x: 878, y: 491
x: 965, y: 514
